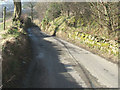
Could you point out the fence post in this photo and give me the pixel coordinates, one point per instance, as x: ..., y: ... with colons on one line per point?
x: 31, y: 11
x: 4, y: 17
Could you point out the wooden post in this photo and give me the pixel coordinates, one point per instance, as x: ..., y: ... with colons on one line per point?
x: 31, y: 11
x: 4, y: 17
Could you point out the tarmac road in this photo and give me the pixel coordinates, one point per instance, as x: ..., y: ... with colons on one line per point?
x: 59, y: 64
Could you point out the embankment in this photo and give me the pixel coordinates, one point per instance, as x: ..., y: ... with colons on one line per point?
x: 96, y: 43
x: 16, y: 54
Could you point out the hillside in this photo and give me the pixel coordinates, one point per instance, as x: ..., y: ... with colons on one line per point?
x: 93, y: 40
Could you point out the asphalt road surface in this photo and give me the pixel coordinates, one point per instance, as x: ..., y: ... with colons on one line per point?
x: 59, y: 64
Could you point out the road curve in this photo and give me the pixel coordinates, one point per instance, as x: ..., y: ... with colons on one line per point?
x: 59, y: 64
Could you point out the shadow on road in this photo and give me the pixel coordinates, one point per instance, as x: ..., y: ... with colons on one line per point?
x: 46, y: 70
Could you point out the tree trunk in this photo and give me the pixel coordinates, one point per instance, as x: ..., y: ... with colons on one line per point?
x: 76, y: 17
x: 32, y: 12
x: 68, y: 13
x: 17, y: 10
x: 4, y: 17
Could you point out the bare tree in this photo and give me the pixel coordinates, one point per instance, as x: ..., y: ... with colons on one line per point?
x: 41, y: 8
x: 66, y: 7
x: 17, y: 10
x: 31, y: 5
x: 106, y: 14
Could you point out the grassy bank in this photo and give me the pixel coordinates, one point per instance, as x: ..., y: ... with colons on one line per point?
x: 94, y: 41
x: 8, y: 24
x: 16, y: 54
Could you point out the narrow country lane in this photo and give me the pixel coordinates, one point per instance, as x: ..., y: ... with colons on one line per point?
x: 59, y: 64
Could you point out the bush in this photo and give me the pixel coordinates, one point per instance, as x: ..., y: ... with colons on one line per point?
x: 28, y: 23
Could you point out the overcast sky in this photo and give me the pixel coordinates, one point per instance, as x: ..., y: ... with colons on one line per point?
x: 11, y: 1
x: 8, y: 1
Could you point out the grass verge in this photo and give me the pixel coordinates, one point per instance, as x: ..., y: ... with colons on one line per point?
x: 16, y: 54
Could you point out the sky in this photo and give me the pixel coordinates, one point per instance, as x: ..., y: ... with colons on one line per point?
x: 11, y: 1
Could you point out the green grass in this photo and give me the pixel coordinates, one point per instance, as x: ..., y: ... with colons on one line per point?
x: 1, y: 19
x: 8, y: 23
x: 1, y: 26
